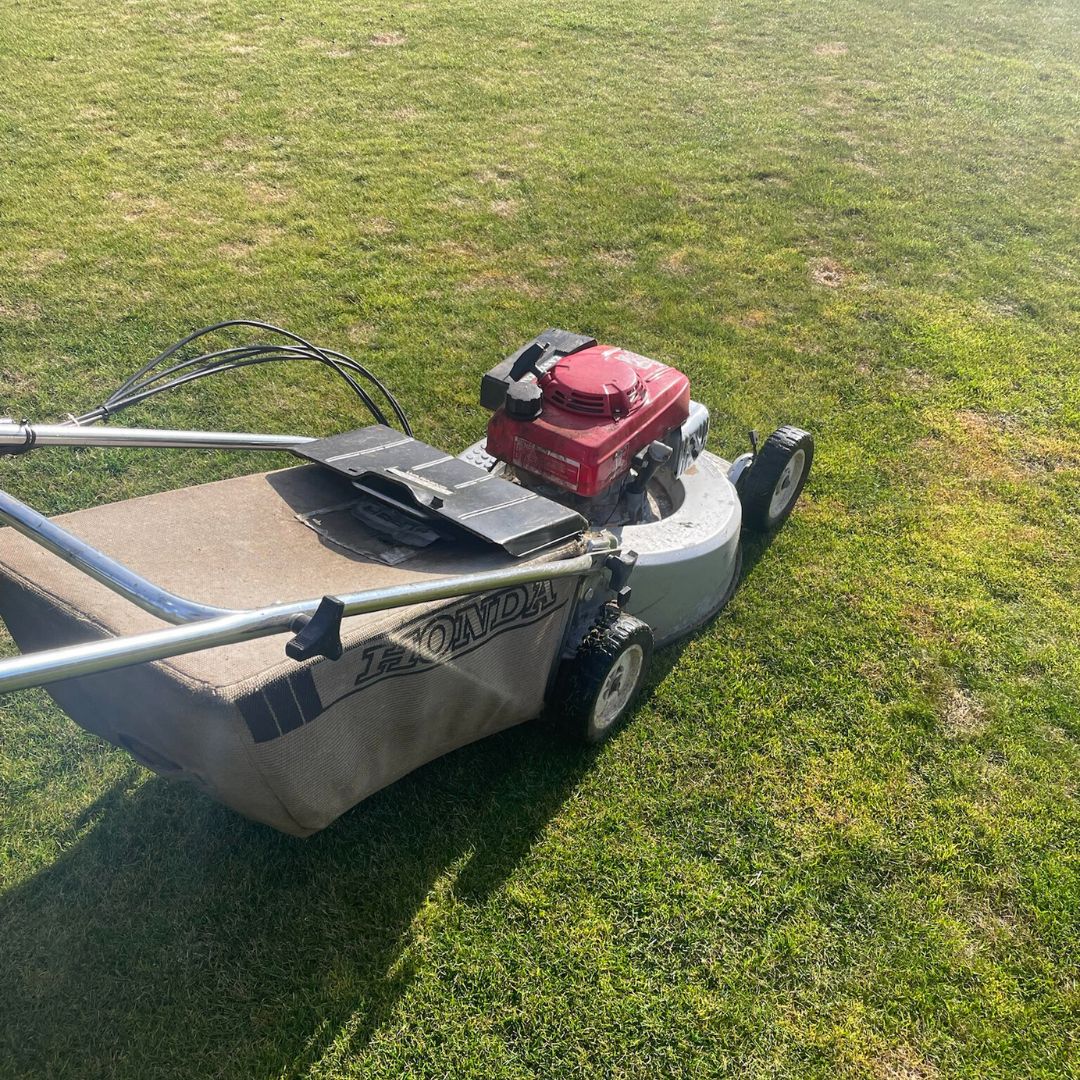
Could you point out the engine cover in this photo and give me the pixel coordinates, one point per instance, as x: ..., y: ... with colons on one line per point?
x: 599, y: 408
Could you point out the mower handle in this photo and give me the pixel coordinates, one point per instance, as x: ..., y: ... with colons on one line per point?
x: 202, y: 626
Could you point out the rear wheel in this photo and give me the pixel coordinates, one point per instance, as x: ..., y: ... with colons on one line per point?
x: 771, y: 486
x: 596, y: 689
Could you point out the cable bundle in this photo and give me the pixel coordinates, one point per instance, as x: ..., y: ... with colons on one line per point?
x: 153, y: 378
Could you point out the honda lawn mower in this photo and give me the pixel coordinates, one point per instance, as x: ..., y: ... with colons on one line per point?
x: 292, y: 641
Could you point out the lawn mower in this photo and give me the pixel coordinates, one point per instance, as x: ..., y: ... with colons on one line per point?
x: 294, y: 640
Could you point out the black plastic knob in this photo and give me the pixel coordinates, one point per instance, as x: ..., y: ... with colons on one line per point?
x: 524, y: 400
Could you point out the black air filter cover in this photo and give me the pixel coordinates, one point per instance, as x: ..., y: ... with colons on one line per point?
x: 559, y: 343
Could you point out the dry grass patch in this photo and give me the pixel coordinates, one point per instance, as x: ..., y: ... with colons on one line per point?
x: 830, y: 48
x: 265, y: 194
x: 620, y: 258
x: 360, y: 333
x: 828, y: 273
x: 676, y: 263
x: 504, y: 281
x: 457, y: 249
x: 915, y: 379
x: 134, y: 207
x: 389, y: 39
x: 501, y: 174
x: 963, y: 715
x: 39, y: 259
x: 749, y: 320
x: 504, y: 207
x: 239, y: 248
x: 19, y: 310
x: 380, y: 226
x: 997, y: 444
x: 903, y: 1063
x: 237, y: 144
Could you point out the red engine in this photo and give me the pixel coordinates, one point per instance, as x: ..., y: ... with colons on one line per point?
x: 581, y: 424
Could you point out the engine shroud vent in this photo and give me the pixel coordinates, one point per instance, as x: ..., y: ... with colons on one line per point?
x: 595, y: 383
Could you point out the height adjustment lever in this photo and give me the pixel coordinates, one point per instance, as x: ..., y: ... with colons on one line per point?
x: 655, y: 455
x: 320, y: 634
x: 620, y: 567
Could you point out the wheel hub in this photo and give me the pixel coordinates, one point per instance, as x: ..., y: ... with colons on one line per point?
x: 788, y: 484
x: 618, y: 687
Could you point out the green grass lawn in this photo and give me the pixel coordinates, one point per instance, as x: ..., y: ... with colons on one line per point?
x: 840, y: 837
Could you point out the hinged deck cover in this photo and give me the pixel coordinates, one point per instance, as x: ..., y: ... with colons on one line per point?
x: 432, y: 485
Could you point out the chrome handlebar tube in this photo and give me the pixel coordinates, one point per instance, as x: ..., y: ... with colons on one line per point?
x: 15, y: 437
x: 38, y: 669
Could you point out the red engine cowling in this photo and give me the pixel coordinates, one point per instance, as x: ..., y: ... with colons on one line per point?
x: 599, y: 407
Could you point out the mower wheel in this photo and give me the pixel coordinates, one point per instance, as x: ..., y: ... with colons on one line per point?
x: 771, y: 486
x: 596, y: 688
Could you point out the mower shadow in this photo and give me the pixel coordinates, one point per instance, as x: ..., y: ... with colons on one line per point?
x: 250, y: 953
x: 240, y: 951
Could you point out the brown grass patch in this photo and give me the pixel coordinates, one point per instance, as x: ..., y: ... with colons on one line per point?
x: 963, y: 715
x: 982, y: 425
x: 915, y: 379
x: 620, y: 258
x: 380, y: 226
x: 902, y: 1063
x: 830, y: 48
x: 360, y: 333
x: 20, y: 310
x: 920, y: 619
x: 390, y: 39
x: 996, y: 444
x: 501, y: 174
x: 676, y: 263
x: 18, y: 386
x: 236, y: 250
x: 133, y: 207
x: 839, y: 102
x: 94, y: 113
x: 996, y: 927
x: 504, y: 207
x: 827, y: 272
x: 39, y: 259
x: 457, y: 249
x: 237, y: 144
x: 505, y: 282
x: 265, y: 194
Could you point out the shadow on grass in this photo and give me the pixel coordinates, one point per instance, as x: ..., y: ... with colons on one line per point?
x: 175, y: 938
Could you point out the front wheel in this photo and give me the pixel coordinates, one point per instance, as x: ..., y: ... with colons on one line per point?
x: 597, y: 687
x: 770, y: 487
